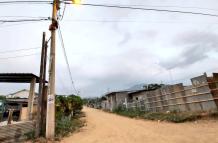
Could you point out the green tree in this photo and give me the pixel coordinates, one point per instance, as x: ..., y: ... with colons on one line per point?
x: 67, y: 105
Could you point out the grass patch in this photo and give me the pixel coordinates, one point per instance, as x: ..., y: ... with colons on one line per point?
x: 129, y: 113
x: 175, y: 117
x: 172, y: 117
x: 66, y: 125
x: 214, y: 114
x: 30, y: 135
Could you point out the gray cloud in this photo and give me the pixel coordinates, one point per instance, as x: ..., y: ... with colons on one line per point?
x: 195, y: 45
x: 126, y: 38
x: 142, y: 35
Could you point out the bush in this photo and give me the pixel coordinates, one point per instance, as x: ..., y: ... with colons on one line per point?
x: 67, y: 105
x: 30, y: 135
x: 65, y: 126
x: 67, y: 111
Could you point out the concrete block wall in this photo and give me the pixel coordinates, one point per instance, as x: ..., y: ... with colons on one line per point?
x: 120, y: 97
x: 204, y: 94
x: 213, y: 84
x: 196, y: 97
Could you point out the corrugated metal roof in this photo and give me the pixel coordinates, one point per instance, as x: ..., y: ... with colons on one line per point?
x: 112, y: 92
x: 18, y: 77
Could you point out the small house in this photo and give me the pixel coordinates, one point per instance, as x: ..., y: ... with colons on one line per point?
x: 114, y: 99
x: 20, y: 94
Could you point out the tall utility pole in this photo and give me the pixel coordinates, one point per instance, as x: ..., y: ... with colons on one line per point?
x: 42, y: 72
x: 50, y: 118
x: 44, y: 94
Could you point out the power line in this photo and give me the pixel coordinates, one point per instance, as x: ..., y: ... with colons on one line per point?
x: 142, y: 7
x: 11, y: 51
x: 23, y: 16
x: 26, y: 2
x: 131, y: 21
x: 123, y: 5
x: 171, y: 6
x: 66, y: 58
x: 19, y: 56
x: 17, y: 24
x: 147, y: 9
x: 24, y: 20
x: 63, y: 12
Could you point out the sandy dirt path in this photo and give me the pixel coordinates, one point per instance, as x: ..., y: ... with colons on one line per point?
x: 105, y: 127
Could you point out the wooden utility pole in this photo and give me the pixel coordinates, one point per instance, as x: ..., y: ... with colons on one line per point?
x: 44, y: 109
x: 44, y: 93
x: 39, y: 107
x: 50, y: 118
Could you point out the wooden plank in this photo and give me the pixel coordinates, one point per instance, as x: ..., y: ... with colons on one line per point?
x: 16, y: 132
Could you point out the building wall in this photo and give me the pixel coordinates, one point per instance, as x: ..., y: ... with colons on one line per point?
x: 197, y: 82
x: 105, y: 105
x: 197, y: 97
x: 140, y: 96
x: 120, y: 98
x: 115, y: 99
x: 111, y: 101
x: 21, y: 94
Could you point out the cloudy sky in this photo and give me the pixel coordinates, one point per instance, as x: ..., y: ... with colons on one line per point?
x: 112, y: 49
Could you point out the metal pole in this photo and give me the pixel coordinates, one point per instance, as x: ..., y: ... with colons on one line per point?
x: 50, y: 122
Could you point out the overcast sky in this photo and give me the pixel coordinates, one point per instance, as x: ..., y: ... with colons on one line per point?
x: 113, y: 49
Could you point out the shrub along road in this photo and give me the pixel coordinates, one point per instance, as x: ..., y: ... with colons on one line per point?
x: 105, y: 127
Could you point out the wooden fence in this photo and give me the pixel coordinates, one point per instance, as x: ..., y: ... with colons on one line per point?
x: 17, y: 133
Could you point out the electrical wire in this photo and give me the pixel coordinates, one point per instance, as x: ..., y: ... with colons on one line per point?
x: 66, y: 59
x: 68, y: 2
x: 24, y: 20
x: 2, y: 25
x: 63, y: 12
x: 14, y: 57
x: 12, y: 51
x: 23, y: 16
x: 171, y: 6
x: 132, y: 21
x: 121, y: 6
x: 26, y: 2
x: 147, y: 9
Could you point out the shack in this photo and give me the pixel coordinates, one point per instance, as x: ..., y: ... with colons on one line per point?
x: 18, y: 105
x: 114, y: 99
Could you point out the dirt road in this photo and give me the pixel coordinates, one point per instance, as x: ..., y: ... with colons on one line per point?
x: 109, y: 128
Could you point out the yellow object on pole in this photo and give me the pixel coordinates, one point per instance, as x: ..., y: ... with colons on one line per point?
x: 76, y: 1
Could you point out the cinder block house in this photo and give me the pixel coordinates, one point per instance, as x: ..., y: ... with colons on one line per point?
x: 114, y: 99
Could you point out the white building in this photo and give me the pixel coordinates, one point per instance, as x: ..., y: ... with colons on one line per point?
x: 20, y: 94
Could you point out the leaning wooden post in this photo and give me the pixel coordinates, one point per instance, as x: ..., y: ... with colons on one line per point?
x: 31, y: 98
x: 39, y: 106
x: 10, y: 116
x: 44, y: 110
